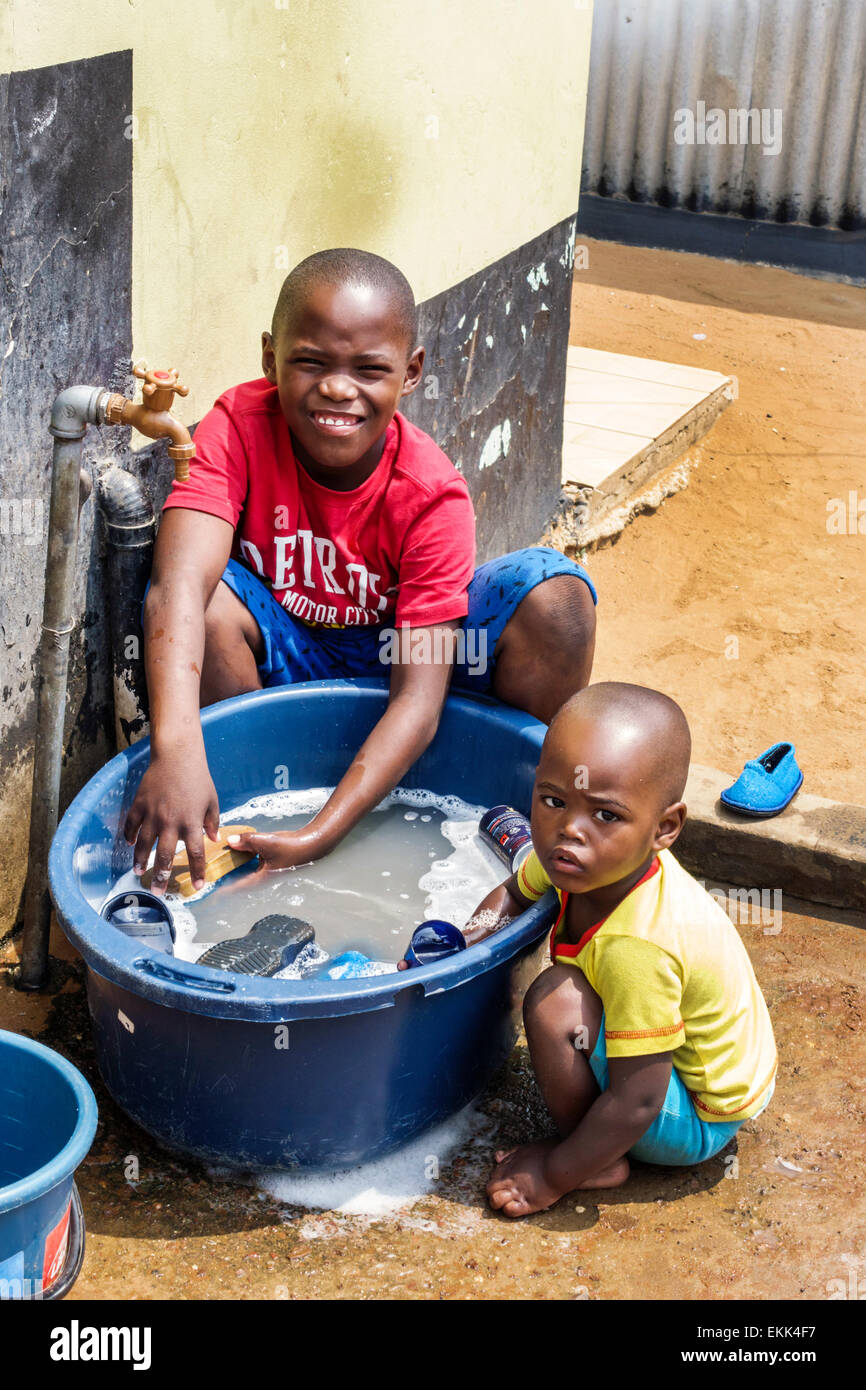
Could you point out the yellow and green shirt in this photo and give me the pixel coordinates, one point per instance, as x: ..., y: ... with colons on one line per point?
x: 674, y: 976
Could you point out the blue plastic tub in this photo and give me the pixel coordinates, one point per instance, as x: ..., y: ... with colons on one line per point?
x: 258, y: 1073
x: 47, y: 1123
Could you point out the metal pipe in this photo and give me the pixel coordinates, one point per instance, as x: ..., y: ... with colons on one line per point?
x: 129, y: 525
x: 73, y: 410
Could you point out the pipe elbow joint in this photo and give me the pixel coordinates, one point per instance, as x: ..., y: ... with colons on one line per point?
x: 75, y: 408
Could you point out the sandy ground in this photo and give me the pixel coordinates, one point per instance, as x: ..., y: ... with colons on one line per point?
x: 740, y: 1226
x: 744, y: 551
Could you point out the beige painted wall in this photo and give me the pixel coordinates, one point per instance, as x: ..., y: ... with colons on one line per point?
x: 441, y: 137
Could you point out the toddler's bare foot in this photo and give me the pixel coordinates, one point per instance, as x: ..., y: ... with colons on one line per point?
x: 613, y: 1176
x: 518, y: 1185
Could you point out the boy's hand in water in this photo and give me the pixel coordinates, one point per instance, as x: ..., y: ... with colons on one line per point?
x: 176, y: 801
x: 282, y: 849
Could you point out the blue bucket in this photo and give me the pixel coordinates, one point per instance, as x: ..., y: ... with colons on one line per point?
x: 257, y: 1073
x: 47, y: 1124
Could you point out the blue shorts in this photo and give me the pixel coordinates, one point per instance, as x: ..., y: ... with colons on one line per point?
x: 677, y: 1136
x: 295, y: 652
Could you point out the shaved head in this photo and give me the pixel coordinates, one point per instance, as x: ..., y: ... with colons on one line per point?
x: 639, y: 724
x: 345, y: 265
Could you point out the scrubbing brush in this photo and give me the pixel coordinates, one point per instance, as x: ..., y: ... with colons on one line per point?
x: 221, y: 858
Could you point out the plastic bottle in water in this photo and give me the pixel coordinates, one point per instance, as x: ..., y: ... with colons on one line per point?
x: 507, y: 833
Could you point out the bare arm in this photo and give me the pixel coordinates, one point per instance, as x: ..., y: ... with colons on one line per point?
x: 496, y: 911
x: 614, y: 1121
x: 177, y: 797
x: 417, y: 695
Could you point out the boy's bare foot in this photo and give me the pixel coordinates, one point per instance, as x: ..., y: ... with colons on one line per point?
x: 518, y: 1185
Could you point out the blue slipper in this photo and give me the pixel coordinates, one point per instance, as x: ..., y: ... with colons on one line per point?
x: 766, y: 784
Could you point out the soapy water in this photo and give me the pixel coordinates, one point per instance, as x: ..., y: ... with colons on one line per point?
x: 387, y: 1185
x: 417, y: 856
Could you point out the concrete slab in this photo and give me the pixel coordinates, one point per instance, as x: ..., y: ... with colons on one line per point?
x: 815, y: 849
x: 646, y: 369
x: 626, y: 421
x: 593, y: 455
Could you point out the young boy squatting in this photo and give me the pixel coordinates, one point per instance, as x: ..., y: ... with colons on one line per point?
x: 649, y: 1034
x: 316, y: 518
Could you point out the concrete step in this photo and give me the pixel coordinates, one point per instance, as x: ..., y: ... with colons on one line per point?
x: 815, y: 849
x: 627, y: 421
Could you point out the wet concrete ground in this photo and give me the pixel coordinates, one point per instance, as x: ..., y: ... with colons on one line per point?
x: 778, y: 1215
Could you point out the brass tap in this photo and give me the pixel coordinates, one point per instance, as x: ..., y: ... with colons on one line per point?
x: 153, y: 416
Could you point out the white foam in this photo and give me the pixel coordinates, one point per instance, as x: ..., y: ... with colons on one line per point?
x: 309, y: 800
x: 456, y: 885
x: 304, y: 802
x: 371, y: 967
x: 309, y: 956
x: 487, y: 920
x: 389, y: 1184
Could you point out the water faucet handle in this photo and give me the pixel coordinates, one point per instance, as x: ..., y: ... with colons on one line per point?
x: 159, y: 391
x: 159, y: 381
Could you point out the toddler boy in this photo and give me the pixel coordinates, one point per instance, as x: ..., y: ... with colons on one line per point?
x: 649, y: 1033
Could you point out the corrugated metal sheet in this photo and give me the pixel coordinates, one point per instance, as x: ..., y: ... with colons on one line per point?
x: 804, y: 59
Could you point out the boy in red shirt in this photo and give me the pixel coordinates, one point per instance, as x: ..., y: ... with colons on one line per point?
x: 322, y: 535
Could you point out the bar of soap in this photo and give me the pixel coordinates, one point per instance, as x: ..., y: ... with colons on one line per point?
x: 220, y: 859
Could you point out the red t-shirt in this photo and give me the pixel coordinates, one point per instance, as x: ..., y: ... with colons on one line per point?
x: 399, y: 548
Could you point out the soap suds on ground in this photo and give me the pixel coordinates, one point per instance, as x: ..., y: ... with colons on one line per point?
x: 394, y: 1183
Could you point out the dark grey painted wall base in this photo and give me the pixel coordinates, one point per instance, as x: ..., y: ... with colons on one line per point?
x: 494, y: 385
x: 64, y: 319
x: 821, y: 251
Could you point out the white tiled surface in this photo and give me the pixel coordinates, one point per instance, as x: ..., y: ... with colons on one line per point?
x: 615, y: 406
